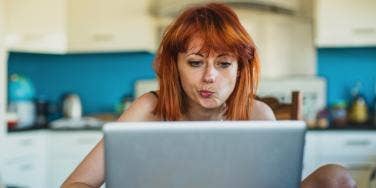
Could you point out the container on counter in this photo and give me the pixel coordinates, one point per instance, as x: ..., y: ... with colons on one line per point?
x: 358, y: 111
x: 21, y: 93
x: 339, y: 114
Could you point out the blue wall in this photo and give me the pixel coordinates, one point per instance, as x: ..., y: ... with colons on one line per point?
x: 343, y: 67
x: 100, y: 79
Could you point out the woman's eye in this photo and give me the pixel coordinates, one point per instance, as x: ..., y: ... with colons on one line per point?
x: 194, y: 63
x: 224, y: 64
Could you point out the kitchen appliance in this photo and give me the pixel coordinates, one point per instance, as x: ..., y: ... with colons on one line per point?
x: 71, y: 106
x: 72, y: 115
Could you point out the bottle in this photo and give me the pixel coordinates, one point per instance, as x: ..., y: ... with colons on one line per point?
x: 21, y: 92
x: 358, y: 112
x: 339, y: 114
x: 42, y: 112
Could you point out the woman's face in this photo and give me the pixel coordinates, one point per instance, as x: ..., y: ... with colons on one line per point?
x: 207, y: 79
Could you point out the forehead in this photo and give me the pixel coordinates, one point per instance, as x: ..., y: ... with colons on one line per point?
x: 197, y: 45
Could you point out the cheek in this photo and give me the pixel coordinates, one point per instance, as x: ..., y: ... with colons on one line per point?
x: 229, y: 82
x: 187, y: 80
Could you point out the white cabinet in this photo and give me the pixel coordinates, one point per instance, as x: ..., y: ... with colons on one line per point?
x: 22, y: 160
x: 43, y: 158
x: 61, y: 26
x: 66, y: 150
x: 284, y: 43
x: 355, y: 150
x: 345, y: 23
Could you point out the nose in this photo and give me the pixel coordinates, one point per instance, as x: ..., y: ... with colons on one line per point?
x: 210, y: 74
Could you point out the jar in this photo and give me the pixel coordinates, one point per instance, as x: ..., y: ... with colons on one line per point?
x: 339, y: 114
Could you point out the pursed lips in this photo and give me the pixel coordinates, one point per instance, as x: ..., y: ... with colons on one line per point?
x: 206, y: 93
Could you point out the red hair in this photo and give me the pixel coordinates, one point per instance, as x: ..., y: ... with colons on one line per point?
x: 220, y: 28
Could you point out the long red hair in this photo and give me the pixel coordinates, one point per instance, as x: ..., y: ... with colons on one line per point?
x: 220, y: 28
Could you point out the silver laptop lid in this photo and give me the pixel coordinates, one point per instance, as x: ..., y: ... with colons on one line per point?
x: 209, y: 154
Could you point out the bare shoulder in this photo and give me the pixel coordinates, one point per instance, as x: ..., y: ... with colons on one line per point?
x: 261, y: 111
x: 141, y: 109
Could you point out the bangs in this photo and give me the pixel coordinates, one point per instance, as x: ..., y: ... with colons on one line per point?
x: 216, y: 30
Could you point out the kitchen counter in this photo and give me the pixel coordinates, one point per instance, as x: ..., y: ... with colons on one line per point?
x: 60, y: 129
x: 330, y: 128
x: 349, y: 127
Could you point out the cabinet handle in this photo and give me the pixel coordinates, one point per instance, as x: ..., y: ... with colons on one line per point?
x: 358, y: 142
x: 103, y: 37
x: 361, y: 166
x: 364, y: 30
x: 32, y: 37
x: 26, y: 142
x: 26, y: 167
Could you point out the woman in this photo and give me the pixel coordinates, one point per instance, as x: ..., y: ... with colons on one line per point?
x: 208, y: 68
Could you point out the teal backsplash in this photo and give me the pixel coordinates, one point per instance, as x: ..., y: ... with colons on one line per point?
x: 102, y: 79
x: 343, y: 67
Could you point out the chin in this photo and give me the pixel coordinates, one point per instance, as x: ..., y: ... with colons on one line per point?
x: 210, y: 105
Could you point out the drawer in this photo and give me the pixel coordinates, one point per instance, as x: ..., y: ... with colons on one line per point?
x: 24, y: 172
x: 348, y: 144
x: 24, y: 144
x: 76, y: 145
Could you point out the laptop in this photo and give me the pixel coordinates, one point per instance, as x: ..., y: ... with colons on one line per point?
x: 204, y: 154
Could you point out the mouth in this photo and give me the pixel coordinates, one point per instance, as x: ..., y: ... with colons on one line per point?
x: 205, y: 93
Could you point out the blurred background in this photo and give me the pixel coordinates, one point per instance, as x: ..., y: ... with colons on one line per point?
x: 69, y: 66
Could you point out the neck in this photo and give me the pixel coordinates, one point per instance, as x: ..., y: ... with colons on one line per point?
x: 196, y: 112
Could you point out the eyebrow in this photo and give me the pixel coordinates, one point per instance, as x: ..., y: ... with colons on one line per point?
x: 195, y: 53
x: 225, y: 54
x: 220, y: 55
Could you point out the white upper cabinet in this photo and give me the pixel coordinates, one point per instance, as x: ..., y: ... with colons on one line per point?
x: 2, y: 21
x: 345, y: 23
x: 64, y: 26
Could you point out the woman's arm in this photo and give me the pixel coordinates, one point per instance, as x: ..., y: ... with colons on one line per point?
x: 90, y: 172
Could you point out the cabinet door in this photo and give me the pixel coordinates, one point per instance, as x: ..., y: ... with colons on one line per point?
x: 66, y: 150
x: 116, y: 25
x: 35, y: 25
x: 355, y: 150
x: 345, y: 23
x: 24, y: 162
x: 2, y: 21
x: 60, y: 26
x: 130, y: 23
